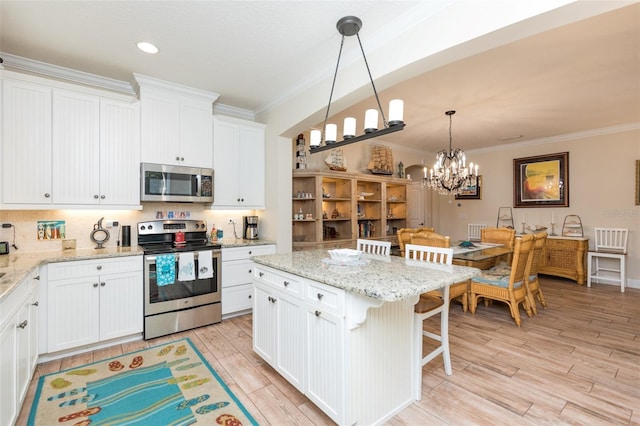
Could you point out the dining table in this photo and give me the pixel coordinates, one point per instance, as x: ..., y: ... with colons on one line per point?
x: 480, y: 255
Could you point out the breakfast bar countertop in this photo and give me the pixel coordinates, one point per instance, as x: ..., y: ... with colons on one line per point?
x: 16, y: 266
x: 386, y: 278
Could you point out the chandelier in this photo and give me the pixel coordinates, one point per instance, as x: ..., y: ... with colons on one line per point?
x: 349, y: 26
x: 450, y: 174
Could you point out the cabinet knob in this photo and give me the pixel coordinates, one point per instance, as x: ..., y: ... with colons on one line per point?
x: 249, y: 270
x: 102, y: 197
x: 250, y: 296
x: 286, y: 283
x: 320, y: 296
x: 23, y: 324
x: 177, y: 158
x: 238, y: 199
x: 95, y: 196
x: 47, y: 195
x: 261, y: 274
x: 250, y: 252
x: 181, y: 158
x: 242, y: 199
x: 37, y: 277
x: 102, y: 284
x: 99, y: 267
x: 95, y: 284
x: 36, y: 303
x: 318, y: 313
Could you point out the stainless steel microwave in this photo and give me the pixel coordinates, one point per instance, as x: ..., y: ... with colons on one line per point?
x: 160, y: 182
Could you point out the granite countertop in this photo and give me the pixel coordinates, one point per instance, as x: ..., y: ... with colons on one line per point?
x: 386, y: 278
x: 16, y: 266
x: 239, y: 242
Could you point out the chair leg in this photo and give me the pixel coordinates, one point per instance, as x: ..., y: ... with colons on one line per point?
x: 515, y: 313
x: 473, y: 302
x: 444, y: 333
x: 541, y: 298
x: 623, y: 274
x: 589, y: 261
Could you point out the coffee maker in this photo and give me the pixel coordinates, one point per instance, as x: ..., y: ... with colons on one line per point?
x: 250, y: 227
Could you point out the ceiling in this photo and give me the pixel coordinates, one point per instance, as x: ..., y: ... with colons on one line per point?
x: 577, y: 77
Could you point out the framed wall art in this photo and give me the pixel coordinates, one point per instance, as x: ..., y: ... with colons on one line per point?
x: 471, y: 192
x: 541, y: 181
x: 637, y: 182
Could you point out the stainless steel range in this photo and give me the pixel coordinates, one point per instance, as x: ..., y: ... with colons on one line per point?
x: 182, y: 280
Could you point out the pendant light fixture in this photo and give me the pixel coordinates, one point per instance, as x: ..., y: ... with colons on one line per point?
x: 349, y: 26
x: 450, y: 174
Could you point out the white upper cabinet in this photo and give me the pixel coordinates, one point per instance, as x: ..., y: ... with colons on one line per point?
x: 68, y: 146
x: 176, y: 123
x: 238, y: 163
x: 26, y: 142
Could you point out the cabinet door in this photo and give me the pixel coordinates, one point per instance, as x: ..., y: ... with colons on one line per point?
x: 237, y: 299
x: 8, y: 375
x: 226, y: 163
x: 76, y: 149
x: 121, y: 304
x: 26, y: 143
x: 264, y: 324
x: 290, y: 358
x: 73, y: 312
x: 252, y: 166
x: 325, y: 381
x: 196, y: 133
x: 160, y: 129
x: 23, y: 349
x: 119, y: 152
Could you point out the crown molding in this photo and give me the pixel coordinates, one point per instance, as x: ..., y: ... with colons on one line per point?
x: 562, y: 138
x: 32, y: 66
x: 228, y: 110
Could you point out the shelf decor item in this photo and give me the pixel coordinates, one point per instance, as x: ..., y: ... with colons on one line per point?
x: 541, y: 181
x: 505, y: 218
x: 572, y: 226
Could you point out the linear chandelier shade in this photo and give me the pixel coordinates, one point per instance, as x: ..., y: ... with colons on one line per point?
x: 450, y: 174
x: 349, y: 26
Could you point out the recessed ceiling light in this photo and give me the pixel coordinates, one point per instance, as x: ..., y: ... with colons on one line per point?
x: 147, y: 47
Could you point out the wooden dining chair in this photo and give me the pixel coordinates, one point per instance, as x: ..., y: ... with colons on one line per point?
x: 375, y: 247
x: 429, y: 306
x: 510, y: 289
x: 404, y: 236
x: 504, y: 236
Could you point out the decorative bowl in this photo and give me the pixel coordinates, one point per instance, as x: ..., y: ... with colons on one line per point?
x: 366, y: 194
x: 466, y: 244
x: 345, y: 255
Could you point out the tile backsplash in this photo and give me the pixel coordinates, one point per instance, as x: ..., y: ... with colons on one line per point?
x: 78, y: 224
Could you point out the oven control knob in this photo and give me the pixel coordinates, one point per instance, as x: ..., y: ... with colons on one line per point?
x: 142, y: 228
x: 150, y: 226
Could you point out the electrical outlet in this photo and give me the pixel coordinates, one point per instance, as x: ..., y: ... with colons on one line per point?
x: 111, y: 223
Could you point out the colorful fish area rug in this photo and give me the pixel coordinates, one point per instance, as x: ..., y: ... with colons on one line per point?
x: 170, y: 384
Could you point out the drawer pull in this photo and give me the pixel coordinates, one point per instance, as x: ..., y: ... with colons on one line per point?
x: 272, y: 299
x: 23, y: 324
x: 37, y: 277
x: 320, y: 296
x: 250, y: 252
x: 286, y: 283
x: 99, y: 267
x: 318, y: 313
x: 36, y: 303
x: 261, y: 274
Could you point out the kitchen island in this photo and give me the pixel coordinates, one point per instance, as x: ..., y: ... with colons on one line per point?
x: 343, y: 334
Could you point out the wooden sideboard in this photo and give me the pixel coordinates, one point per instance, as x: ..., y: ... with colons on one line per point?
x: 565, y: 257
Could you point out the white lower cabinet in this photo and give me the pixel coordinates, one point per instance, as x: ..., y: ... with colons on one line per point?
x: 18, y: 346
x: 278, y: 324
x: 237, y: 273
x: 356, y: 351
x: 93, y: 300
x: 299, y: 331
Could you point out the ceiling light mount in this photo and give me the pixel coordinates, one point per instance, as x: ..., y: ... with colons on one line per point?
x: 349, y: 26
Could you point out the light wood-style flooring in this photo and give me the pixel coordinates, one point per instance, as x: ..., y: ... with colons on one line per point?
x: 576, y: 362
